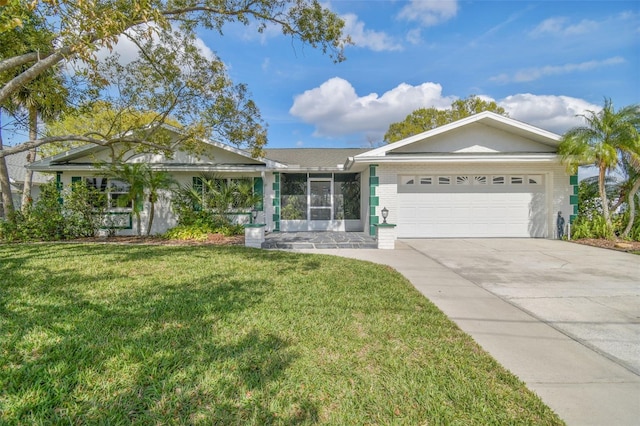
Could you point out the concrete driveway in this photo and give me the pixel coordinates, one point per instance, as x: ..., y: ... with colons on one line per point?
x: 589, y: 294
x: 564, y: 318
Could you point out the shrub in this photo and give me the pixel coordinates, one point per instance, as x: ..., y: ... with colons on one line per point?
x: 48, y: 219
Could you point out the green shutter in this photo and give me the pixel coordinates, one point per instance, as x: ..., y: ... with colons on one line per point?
x: 259, y: 191
x: 198, y: 186
x: 59, y: 186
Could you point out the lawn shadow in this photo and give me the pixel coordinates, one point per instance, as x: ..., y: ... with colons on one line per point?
x: 167, y: 352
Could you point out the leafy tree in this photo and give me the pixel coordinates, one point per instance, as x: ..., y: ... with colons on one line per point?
x: 424, y: 119
x: 605, y: 135
x: 171, y: 76
x: 40, y: 94
x: 100, y: 118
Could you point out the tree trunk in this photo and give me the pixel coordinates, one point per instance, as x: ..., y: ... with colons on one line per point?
x: 605, y: 201
x: 152, y: 211
x: 31, y: 157
x: 632, y: 208
x: 5, y: 187
x: 139, y: 224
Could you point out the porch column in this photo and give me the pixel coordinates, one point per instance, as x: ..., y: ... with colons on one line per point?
x: 386, y: 235
x: 254, y: 235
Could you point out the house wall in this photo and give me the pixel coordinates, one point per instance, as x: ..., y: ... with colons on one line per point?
x: 476, y: 137
x: 164, y: 218
x: 557, y: 181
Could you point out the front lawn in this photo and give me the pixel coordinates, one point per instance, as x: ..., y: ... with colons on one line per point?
x: 116, y: 334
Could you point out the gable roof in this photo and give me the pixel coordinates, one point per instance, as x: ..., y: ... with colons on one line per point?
x: 487, y: 118
x: 66, y: 159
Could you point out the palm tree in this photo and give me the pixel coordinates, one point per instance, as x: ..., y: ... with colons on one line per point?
x: 134, y: 175
x: 43, y: 98
x: 156, y: 181
x: 141, y: 179
x: 631, y: 168
x: 605, y: 135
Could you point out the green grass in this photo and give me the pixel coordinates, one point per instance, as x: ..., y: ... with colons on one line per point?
x: 109, y: 334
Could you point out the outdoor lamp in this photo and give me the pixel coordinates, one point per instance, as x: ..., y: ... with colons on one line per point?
x: 385, y: 214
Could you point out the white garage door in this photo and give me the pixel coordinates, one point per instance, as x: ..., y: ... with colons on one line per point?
x: 455, y: 206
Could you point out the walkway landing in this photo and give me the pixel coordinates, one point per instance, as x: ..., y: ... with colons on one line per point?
x: 318, y: 240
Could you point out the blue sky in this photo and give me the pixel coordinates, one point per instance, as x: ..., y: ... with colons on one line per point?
x: 543, y: 61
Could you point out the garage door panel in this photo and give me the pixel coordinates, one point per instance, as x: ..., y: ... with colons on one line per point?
x: 441, y: 215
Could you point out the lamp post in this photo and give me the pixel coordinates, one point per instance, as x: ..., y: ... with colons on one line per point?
x: 385, y: 214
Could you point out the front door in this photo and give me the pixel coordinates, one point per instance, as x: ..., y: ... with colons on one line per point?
x: 320, y: 204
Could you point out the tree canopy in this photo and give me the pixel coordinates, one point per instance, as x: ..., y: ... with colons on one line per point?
x: 171, y: 76
x: 424, y: 119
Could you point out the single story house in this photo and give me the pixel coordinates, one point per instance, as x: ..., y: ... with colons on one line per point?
x: 483, y: 176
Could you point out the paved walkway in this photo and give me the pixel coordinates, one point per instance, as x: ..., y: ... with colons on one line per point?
x: 562, y: 317
x: 318, y: 240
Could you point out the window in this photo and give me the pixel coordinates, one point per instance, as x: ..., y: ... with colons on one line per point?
x: 293, y: 196
x: 426, y: 180
x: 498, y: 180
x: 346, y: 196
x: 118, y: 194
x: 516, y: 180
x: 462, y: 180
x: 480, y: 180
x: 117, y: 191
x: 407, y: 180
x: 444, y: 180
x: 534, y: 179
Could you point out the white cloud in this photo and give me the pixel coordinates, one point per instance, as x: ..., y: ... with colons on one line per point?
x: 374, y: 40
x: 531, y: 74
x: 559, y: 26
x: 429, y: 12
x: 554, y: 113
x: 414, y: 36
x: 335, y: 109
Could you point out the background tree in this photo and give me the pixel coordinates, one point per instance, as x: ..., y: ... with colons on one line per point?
x: 171, y: 76
x: 424, y: 119
x: 600, y: 142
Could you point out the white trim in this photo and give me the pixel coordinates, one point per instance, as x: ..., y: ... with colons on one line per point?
x: 458, y: 158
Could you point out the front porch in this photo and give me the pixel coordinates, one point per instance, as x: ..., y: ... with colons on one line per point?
x: 318, y: 240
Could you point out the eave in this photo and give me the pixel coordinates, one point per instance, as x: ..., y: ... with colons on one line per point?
x: 459, y: 158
